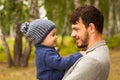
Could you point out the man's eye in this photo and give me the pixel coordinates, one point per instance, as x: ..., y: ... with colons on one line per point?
x: 76, y: 29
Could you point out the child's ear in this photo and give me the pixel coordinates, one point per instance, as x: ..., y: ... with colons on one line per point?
x: 91, y: 28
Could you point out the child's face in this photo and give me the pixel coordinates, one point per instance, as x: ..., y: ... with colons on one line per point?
x: 51, y: 39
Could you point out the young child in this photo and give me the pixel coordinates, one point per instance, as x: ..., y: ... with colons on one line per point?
x: 50, y: 65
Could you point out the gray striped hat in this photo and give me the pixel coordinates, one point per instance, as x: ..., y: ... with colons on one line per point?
x: 37, y: 30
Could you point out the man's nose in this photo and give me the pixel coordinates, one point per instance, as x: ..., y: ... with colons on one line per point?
x: 73, y: 34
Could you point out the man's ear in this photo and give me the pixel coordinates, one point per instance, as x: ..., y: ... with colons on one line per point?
x: 91, y: 27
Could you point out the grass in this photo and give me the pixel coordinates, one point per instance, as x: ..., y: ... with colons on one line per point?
x: 115, y: 64
x: 17, y: 73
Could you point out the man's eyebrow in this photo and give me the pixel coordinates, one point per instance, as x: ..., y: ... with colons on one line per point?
x: 74, y: 28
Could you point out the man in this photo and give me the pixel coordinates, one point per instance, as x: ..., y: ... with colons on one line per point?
x: 87, y: 28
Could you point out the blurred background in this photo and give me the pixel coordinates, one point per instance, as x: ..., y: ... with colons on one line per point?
x: 17, y: 52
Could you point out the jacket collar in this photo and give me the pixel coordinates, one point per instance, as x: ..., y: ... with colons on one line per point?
x: 98, y: 44
x: 39, y: 45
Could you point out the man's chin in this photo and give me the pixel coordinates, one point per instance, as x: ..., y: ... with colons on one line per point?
x: 81, y: 46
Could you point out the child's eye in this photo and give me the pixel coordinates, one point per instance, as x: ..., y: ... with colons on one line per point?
x: 54, y: 34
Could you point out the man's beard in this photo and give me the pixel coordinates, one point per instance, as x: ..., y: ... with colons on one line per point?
x: 84, y: 42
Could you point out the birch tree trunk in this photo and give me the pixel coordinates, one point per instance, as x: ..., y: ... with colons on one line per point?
x: 96, y: 3
x: 76, y: 3
x: 118, y: 15
x: 88, y: 2
x: 17, y: 43
x: 110, y: 30
x: 65, y: 22
x: 6, y: 48
x: 18, y: 36
x: 26, y: 54
x: 34, y: 13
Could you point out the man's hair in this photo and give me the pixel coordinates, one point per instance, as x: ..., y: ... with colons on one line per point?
x: 89, y: 14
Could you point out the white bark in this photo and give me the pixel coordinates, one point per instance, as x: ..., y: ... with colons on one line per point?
x: 76, y: 3
x: 118, y: 15
x: 110, y: 30
x: 64, y: 30
x: 88, y: 2
x: 96, y: 3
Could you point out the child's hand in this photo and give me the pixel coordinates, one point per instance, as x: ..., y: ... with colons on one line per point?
x: 83, y: 52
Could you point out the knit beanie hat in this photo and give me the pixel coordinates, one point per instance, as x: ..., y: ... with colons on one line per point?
x: 37, y: 30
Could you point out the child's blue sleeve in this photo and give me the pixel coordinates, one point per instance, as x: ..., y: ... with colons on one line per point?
x: 55, y: 61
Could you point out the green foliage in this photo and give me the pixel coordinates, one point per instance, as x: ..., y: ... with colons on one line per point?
x: 57, y: 12
x: 9, y: 13
x: 82, y: 2
x: 114, y: 41
x: 32, y: 55
x: 104, y: 7
x: 69, y: 46
x: 2, y: 54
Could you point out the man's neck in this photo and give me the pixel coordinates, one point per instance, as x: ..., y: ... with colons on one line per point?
x: 94, y: 39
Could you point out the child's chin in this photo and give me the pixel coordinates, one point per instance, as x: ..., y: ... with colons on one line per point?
x: 54, y: 45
